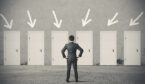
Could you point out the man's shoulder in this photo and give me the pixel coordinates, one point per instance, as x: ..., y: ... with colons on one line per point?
x: 76, y: 43
x: 70, y: 43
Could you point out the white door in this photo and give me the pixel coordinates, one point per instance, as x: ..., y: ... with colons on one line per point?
x: 85, y: 40
x: 108, y: 48
x: 35, y: 48
x: 58, y: 41
x: 11, y: 48
x: 132, y: 48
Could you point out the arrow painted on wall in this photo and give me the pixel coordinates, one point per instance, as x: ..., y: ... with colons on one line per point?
x: 56, y: 23
x: 7, y: 25
x: 86, y: 20
x: 30, y: 22
x: 134, y: 22
x: 113, y: 21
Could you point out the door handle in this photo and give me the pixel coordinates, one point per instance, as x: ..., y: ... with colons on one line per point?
x: 136, y: 50
x: 29, y: 59
x: 41, y: 50
x: 112, y: 50
x: 89, y: 50
x: 17, y: 50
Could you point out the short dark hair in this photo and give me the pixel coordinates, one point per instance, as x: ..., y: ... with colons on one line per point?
x: 71, y: 38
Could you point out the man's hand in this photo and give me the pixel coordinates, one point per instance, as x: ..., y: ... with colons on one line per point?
x: 78, y: 57
x: 65, y: 57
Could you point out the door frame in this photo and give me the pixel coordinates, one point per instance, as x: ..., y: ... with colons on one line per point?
x: 125, y: 47
x: 43, y: 46
x: 52, y: 59
x: 115, y: 46
x: 91, y: 44
x: 5, y: 47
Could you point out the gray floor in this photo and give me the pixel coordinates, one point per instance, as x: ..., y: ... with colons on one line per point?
x: 87, y: 75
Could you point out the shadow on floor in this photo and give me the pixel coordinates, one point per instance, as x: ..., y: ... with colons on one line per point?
x: 80, y: 81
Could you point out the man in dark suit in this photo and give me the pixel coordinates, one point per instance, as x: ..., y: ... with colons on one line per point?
x: 72, y: 58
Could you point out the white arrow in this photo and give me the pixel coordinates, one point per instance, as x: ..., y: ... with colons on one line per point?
x: 56, y: 23
x: 31, y: 23
x: 111, y: 22
x: 134, y: 22
x: 86, y: 21
x: 7, y: 25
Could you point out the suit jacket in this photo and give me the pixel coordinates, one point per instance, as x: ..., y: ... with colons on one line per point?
x: 72, y: 48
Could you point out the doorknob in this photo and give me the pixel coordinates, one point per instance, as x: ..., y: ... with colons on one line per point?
x: 89, y: 50
x: 113, y: 50
x: 17, y: 50
x: 136, y: 50
x: 41, y: 50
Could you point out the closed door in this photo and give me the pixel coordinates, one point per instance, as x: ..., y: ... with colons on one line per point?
x: 132, y: 48
x: 108, y: 48
x: 58, y: 41
x: 85, y: 40
x: 11, y: 48
x: 35, y: 48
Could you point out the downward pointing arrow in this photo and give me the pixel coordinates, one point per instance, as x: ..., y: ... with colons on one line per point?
x: 56, y: 23
x: 111, y: 22
x: 31, y: 23
x: 86, y: 21
x: 7, y: 25
x: 134, y: 22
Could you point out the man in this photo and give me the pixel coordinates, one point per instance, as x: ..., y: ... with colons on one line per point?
x: 72, y: 58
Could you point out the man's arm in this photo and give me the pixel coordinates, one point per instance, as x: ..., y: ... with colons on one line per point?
x: 63, y: 51
x: 81, y: 50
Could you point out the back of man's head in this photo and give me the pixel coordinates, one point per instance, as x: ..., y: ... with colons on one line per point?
x: 71, y: 38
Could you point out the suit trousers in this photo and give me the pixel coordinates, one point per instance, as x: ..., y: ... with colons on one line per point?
x: 74, y: 63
